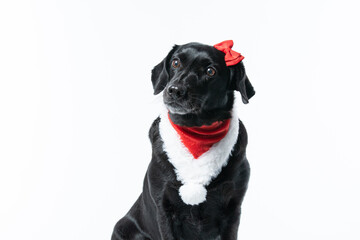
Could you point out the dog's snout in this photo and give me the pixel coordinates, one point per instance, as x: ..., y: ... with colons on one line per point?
x: 176, y: 92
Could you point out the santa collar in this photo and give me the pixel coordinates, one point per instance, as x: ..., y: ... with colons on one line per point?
x: 199, y: 140
x: 196, y: 173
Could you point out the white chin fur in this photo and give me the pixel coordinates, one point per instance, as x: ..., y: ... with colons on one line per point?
x: 195, y: 174
x: 176, y: 111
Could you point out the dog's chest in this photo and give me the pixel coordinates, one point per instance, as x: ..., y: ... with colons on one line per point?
x: 196, y: 174
x: 198, y: 222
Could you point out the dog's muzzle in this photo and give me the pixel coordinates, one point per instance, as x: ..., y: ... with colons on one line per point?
x: 177, y: 100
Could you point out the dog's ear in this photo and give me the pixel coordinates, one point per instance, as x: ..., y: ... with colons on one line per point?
x: 160, y: 73
x: 240, y: 82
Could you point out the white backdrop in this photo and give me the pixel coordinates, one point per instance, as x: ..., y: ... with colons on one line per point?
x: 76, y: 104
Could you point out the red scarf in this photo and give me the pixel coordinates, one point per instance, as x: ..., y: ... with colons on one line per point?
x: 199, y: 140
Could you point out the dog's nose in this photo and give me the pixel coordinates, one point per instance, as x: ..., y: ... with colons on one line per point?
x: 176, y: 92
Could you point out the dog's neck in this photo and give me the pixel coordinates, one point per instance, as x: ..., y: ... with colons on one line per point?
x: 196, y: 169
x: 199, y: 140
x: 198, y: 120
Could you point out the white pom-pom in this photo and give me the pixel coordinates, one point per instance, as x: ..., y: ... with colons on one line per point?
x: 192, y: 194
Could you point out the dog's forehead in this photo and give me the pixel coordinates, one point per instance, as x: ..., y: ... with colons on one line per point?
x: 193, y: 51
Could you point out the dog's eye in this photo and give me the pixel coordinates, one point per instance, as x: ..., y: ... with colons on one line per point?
x: 210, y: 71
x: 175, y: 63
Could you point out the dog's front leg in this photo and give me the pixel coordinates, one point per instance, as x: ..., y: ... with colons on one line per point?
x: 156, y: 193
x: 231, y: 229
x: 231, y: 232
x: 165, y: 217
x: 165, y: 227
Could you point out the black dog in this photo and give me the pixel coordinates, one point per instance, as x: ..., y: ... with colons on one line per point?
x: 187, y: 196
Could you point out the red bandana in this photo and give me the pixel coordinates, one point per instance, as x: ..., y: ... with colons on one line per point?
x: 198, y: 140
x: 231, y: 57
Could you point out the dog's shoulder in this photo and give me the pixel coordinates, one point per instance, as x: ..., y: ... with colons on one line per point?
x: 241, y: 143
x: 154, y: 131
x: 159, y: 156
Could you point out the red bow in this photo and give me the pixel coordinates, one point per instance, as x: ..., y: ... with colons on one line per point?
x: 231, y: 57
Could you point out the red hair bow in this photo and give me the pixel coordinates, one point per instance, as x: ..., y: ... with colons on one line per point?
x: 231, y: 57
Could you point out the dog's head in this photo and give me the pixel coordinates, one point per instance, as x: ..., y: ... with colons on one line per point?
x: 196, y: 81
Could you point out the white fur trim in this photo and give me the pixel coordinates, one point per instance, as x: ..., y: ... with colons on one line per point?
x: 193, y: 173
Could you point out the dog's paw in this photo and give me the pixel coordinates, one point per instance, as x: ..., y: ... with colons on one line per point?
x: 192, y: 193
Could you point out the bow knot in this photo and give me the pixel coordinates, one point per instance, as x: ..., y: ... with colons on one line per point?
x: 231, y: 57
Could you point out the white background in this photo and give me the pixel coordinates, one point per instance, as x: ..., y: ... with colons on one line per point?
x: 76, y: 104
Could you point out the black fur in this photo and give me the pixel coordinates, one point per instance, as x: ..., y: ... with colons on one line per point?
x: 195, y: 99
